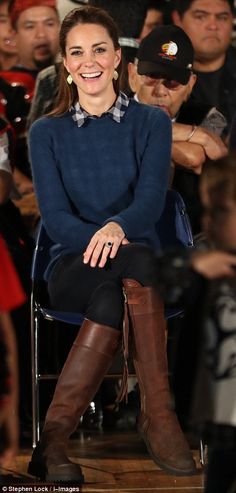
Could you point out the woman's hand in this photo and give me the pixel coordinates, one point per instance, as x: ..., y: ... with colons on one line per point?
x: 98, y: 249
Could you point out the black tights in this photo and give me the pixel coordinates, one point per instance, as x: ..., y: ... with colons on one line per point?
x: 97, y: 292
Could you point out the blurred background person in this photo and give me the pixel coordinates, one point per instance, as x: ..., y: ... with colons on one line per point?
x: 36, y: 25
x: 20, y: 246
x: 206, y: 287
x: 158, y: 13
x: 64, y: 6
x: 11, y: 297
x: 209, y: 25
x: 8, y: 45
x: 166, y: 81
x: 129, y: 16
x: 215, y: 415
x: 6, y: 180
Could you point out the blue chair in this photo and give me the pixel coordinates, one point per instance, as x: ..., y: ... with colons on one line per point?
x: 174, y: 230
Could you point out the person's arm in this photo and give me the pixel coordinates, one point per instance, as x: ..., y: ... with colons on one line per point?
x: 12, y: 296
x: 6, y: 180
x: 211, y: 143
x: 6, y: 183
x: 178, y: 270
x: 9, y: 414
x: 188, y: 155
x: 46, y: 88
x: 232, y: 135
x: 214, y: 264
x: 24, y: 185
x: 60, y: 221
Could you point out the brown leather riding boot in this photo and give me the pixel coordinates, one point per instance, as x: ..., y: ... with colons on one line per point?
x: 87, y: 363
x: 158, y: 424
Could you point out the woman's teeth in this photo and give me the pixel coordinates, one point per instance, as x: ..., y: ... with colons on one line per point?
x: 91, y: 76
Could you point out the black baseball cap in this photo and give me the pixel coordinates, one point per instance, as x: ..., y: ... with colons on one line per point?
x: 166, y: 52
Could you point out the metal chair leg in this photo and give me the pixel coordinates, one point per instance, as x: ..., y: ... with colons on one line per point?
x: 202, y: 453
x: 35, y: 374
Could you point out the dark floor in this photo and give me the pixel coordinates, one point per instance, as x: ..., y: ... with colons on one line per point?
x: 111, y: 461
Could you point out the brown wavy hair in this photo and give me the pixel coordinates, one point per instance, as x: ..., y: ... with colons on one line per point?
x: 68, y: 94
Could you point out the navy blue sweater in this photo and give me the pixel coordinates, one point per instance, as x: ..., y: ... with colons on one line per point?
x: 103, y: 171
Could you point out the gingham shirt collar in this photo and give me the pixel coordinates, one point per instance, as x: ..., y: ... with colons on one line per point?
x: 116, y: 112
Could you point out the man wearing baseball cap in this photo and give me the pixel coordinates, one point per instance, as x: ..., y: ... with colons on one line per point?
x: 162, y: 76
x: 167, y: 50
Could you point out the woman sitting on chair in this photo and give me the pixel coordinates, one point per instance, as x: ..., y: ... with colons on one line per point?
x: 101, y: 165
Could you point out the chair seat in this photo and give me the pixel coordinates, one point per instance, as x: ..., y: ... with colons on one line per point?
x: 67, y: 317
x: 77, y: 318
x: 173, y: 312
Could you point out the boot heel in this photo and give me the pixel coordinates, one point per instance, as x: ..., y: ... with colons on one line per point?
x: 65, y: 473
x: 37, y: 470
x: 163, y: 465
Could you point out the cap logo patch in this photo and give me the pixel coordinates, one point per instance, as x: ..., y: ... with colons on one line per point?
x: 170, y: 48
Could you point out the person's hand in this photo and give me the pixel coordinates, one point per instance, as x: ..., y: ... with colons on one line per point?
x: 104, y: 244
x: 213, y: 145
x: 214, y: 264
x: 188, y: 155
x: 23, y: 184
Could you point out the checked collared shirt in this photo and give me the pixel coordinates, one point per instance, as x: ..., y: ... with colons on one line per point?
x: 116, y: 112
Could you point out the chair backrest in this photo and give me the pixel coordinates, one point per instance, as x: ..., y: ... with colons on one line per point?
x: 41, y: 255
x: 173, y: 229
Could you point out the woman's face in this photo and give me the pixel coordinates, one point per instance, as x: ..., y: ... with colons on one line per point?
x: 91, y: 59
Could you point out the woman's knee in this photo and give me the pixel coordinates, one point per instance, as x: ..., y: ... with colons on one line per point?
x: 106, y: 305
x: 141, y: 263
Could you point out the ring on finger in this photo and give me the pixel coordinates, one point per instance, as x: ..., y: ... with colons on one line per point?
x: 109, y: 244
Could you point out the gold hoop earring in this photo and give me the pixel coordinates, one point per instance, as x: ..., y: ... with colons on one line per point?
x: 115, y: 75
x: 69, y: 79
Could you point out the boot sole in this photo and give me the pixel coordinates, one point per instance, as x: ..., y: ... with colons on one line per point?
x: 163, y: 465
x: 38, y: 470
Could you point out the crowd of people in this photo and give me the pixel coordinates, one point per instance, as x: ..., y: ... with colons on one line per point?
x: 104, y: 105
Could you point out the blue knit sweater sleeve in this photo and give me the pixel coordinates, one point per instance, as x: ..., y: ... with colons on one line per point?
x: 62, y: 224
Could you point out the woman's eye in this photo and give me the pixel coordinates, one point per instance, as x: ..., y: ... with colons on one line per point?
x: 100, y: 50
x: 76, y: 53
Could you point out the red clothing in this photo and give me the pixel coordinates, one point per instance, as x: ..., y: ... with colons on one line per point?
x: 11, y: 292
x: 22, y: 78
